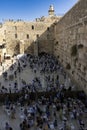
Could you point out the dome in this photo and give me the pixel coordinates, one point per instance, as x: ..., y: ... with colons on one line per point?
x: 51, y: 7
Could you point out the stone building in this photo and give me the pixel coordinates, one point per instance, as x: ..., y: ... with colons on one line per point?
x: 29, y: 37
x: 70, y: 45
x: 65, y: 37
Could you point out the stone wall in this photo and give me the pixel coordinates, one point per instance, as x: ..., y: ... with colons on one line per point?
x: 74, y: 15
x: 24, y: 32
x: 70, y: 45
x: 66, y: 38
x: 17, y: 34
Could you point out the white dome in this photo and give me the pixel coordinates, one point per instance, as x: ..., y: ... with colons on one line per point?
x: 51, y: 7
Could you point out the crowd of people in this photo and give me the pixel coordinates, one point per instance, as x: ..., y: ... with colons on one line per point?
x: 45, y: 113
x: 45, y: 64
x: 48, y: 113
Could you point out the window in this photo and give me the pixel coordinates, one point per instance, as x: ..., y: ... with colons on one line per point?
x: 48, y: 29
x: 37, y: 35
x: 32, y: 27
x: 27, y: 36
x: 15, y: 35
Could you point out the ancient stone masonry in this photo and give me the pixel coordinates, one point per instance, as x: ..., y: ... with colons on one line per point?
x: 64, y: 37
x: 21, y: 37
x: 70, y: 45
x: 18, y: 33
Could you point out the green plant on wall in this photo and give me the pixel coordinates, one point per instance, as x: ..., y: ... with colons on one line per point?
x: 74, y: 50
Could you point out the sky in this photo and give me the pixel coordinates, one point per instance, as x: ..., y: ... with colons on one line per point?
x: 28, y: 10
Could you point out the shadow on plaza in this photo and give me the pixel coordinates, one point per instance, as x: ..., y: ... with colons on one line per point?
x: 44, y: 44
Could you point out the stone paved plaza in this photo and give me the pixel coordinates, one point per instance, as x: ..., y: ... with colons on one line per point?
x: 28, y: 74
x: 58, y: 107
x: 43, y: 72
x: 73, y: 124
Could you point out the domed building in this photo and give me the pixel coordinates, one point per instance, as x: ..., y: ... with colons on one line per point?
x: 29, y: 37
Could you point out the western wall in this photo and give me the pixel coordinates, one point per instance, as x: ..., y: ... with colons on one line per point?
x: 64, y: 37
x: 70, y: 45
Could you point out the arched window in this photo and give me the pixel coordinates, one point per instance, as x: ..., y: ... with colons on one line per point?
x: 27, y: 36
x: 32, y: 27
